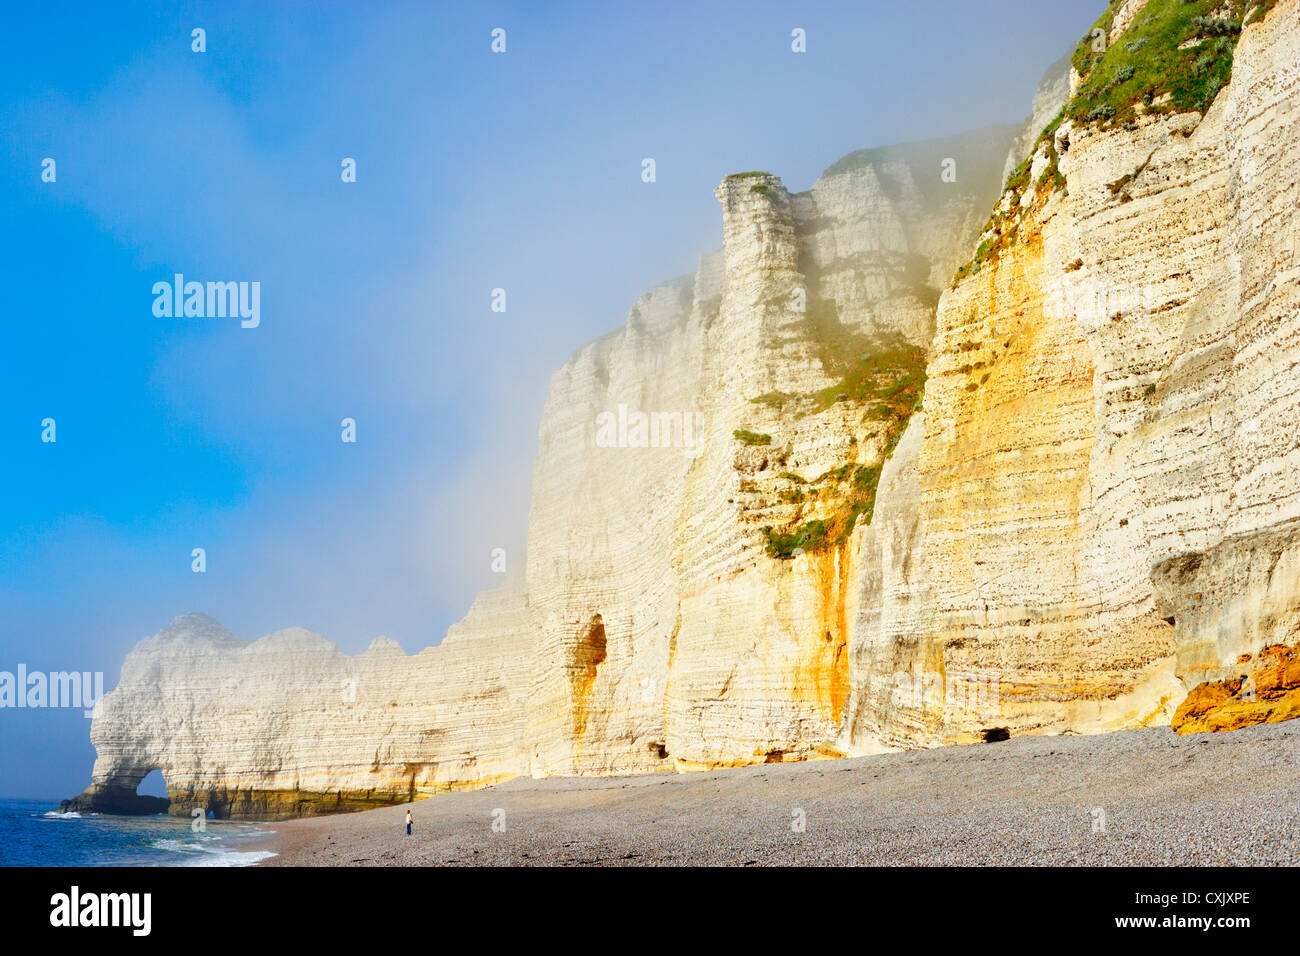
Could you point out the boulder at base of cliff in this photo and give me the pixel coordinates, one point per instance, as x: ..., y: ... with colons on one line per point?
x: 1267, y: 691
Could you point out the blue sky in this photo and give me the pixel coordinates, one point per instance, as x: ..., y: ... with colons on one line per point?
x: 474, y: 171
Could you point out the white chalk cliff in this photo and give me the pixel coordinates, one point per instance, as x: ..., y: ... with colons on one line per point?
x: 849, y: 503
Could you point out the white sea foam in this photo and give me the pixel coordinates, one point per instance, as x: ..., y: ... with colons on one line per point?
x: 209, y: 854
x: 56, y: 815
x: 236, y: 858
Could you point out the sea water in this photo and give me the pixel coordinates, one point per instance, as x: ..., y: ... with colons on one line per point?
x: 34, y: 833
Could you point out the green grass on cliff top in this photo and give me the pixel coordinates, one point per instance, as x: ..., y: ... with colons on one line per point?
x: 1146, y: 62
x: 1143, y: 72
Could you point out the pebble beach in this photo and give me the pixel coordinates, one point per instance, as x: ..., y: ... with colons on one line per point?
x: 1140, y: 797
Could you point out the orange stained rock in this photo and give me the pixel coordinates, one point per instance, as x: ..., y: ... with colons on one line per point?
x: 1268, y: 692
x: 822, y: 677
x: 587, y: 656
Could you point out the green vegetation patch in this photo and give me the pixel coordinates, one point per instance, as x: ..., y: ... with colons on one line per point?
x: 856, y: 502
x: 868, y: 370
x: 774, y: 399
x: 747, y: 437
x: 889, y: 380
x: 809, y: 536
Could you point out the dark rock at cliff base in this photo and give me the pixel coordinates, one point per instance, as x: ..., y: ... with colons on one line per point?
x: 97, y: 799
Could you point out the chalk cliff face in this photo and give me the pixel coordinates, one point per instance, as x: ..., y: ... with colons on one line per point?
x: 819, y: 499
x: 1106, y: 493
x: 288, y: 725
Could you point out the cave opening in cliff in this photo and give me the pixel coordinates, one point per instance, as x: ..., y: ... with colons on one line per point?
x: 152, y: 785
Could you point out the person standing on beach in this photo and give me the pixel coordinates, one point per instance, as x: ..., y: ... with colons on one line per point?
x: 408, y: 822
